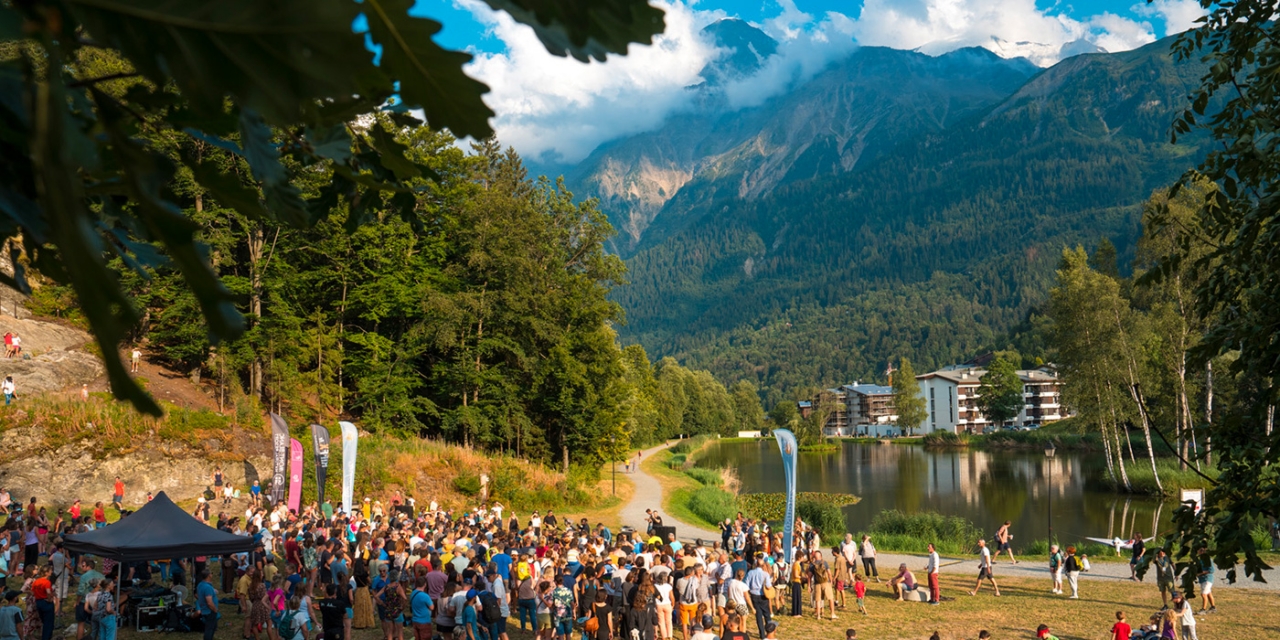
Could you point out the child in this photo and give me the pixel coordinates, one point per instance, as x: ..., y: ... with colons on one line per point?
x: 1121, y: 629
x: 860, y: 593
x: 10, y: 617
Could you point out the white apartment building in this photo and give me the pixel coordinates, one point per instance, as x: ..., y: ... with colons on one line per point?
x: 951, y: 398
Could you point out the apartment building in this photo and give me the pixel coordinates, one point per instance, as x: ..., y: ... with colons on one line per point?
x: 853, y: 409
x: 951, y: 396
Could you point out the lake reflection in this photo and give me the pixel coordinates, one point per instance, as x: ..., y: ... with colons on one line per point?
x: 986, y: 487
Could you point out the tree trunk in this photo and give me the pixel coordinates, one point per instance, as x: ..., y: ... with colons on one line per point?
x: 1146, y: 430
x: 1131, y: 367
x: 566, y: 459
x: 1208, y: 412
x: 1106, y: 443
x: 257, y: 242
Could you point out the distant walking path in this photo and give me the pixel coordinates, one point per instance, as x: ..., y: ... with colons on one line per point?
x: 648, y: 495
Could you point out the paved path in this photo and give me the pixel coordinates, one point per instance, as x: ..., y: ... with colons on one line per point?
x: 648, y: 495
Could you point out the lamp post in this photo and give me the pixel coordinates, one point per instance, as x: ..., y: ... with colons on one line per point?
x: 613, y: 462
x: 1049, y: 450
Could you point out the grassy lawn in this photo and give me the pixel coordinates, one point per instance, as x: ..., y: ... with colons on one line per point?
x: 1024, y: 604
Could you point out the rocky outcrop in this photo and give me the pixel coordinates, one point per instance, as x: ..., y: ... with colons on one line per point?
x: 51, y: 358
x: 69, y: 472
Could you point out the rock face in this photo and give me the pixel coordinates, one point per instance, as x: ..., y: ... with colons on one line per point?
x: 60, y: 476
x: 55, y: 362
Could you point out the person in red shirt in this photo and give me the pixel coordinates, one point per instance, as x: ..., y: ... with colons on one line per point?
x: 1121, y: 629
x: 99, y: 515
x: 46, y: 604
x: 75, y: 510
x: 117, y: 497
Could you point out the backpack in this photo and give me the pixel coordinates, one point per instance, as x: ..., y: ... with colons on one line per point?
x: 490, y: 608
x: 285, y: 629
x: 690, y: 593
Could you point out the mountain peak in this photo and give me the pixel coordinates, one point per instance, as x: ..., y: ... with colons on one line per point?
x: 746, y: 49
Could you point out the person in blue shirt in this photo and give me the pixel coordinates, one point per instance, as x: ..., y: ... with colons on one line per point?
x: 503, y: 562
x: 294, y: 580
x: 1205, y: 578
x: 757, y: 581
x: 468, y: 620
x: 207, y: 604
x: 420, y: 604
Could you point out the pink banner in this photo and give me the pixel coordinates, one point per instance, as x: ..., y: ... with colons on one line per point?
x: 295, y: 476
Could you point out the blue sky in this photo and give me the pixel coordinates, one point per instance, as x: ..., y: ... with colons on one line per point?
x: 557, y: 110
x: 462, y: 30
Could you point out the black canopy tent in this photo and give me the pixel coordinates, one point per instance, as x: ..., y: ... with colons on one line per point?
x: 159, y: 530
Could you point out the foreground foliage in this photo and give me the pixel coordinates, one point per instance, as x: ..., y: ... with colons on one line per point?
x: 105, y: 102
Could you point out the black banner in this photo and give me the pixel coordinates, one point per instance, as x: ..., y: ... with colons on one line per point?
x: 320, y: 445
x: 279, y: 458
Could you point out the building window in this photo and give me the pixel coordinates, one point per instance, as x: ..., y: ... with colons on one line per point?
x: 951, y: 403
x: 933, y: 409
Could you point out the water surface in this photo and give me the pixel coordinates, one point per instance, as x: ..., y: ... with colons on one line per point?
x: 986, y: 487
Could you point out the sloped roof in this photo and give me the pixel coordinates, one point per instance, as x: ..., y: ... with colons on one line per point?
x: 159, y: 530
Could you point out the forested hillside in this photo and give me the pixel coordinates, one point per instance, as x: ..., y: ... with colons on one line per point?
x: 931, y: 252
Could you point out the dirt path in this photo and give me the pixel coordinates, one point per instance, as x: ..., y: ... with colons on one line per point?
x: 648, y: 495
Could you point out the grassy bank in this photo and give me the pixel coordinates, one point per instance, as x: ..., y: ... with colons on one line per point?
x: 108, y: 428
x: 1143, y: 482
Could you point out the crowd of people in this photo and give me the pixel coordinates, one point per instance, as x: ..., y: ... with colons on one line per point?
x: 462, y: 575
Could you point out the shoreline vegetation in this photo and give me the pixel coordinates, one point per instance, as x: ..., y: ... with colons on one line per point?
x: 705, y: 497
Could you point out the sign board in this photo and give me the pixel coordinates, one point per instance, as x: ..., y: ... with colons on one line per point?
x: 1194, y: 496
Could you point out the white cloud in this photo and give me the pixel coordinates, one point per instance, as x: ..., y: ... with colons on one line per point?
x: 1178, y: 15
x: 558, y: 109
x: 1011, y: 27
x: 562, y: 107
x: 805, y: 47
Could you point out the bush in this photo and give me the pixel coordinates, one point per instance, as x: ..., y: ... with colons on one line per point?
x: 677, y: 461
x: 467, y: 484
x: 913, y: 532
x: 827, y: 518
x: 712, y: 504
x: 709, y: 477
x: 773, y: 506
x: 690, y: 445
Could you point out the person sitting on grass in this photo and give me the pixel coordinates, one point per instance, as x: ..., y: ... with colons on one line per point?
x: 903, y: 582
x: 1042, y: 632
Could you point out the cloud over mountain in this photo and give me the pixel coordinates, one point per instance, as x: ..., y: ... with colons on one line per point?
x: 557, y: 110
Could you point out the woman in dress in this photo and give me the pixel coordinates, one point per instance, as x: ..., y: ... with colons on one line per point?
x: 31, y: 622
x: 260, y: 609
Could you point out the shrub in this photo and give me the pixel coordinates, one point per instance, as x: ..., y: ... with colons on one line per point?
x: 467, y: 484
x: 827, y: 518
x: 677, y: 461
x: 712, y: 504
x: 913, y: 532
x: 773, y: 506
x: 710, y: 477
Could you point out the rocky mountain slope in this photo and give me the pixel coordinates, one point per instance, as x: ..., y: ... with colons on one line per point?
x: 849, y: 114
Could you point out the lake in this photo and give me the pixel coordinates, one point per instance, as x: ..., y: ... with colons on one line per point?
x: 985, y: 487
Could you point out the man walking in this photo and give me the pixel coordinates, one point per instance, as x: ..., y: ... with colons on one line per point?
x: 931, y: 570
x: 984, y: 569
x: 207, y: 604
